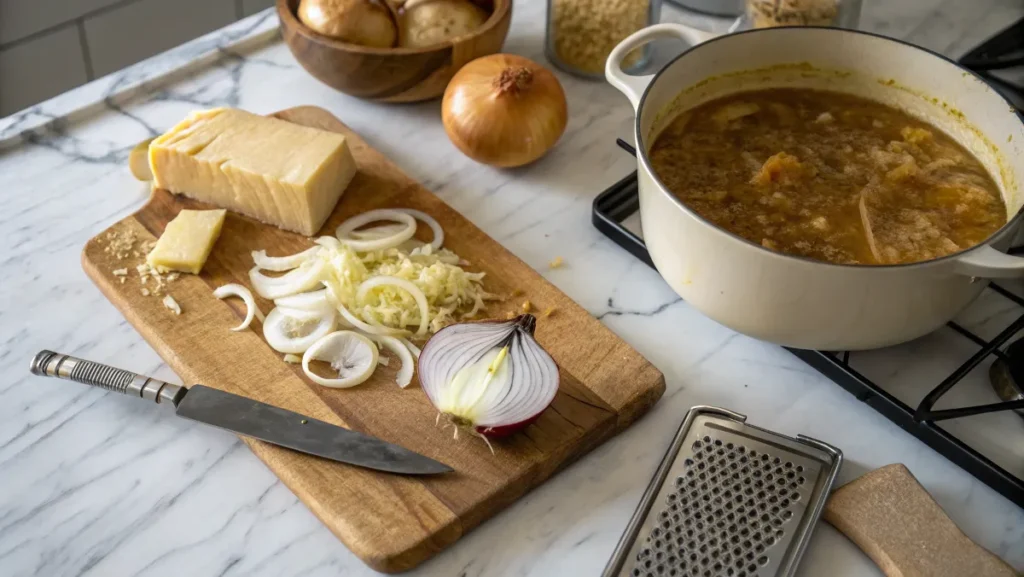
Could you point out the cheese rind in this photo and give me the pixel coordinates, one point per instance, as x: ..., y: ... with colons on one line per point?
x: 187, y: 241
x: 277, y: 172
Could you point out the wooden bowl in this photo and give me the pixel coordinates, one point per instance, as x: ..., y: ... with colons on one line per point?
x: 390, y: 74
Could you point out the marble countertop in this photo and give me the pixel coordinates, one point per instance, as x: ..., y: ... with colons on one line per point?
x: 97, y: 484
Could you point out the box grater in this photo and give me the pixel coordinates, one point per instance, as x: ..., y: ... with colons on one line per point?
x: 728, y: 499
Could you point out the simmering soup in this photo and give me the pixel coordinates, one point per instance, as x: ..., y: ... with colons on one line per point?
x: 828, y: 176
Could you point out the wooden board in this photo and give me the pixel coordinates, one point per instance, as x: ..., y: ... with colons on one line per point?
x: 391, y: 522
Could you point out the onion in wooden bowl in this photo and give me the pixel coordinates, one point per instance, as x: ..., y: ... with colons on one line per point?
x: 396, y: 74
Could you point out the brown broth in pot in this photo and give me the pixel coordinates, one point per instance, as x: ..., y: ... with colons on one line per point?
x: 828, y: 176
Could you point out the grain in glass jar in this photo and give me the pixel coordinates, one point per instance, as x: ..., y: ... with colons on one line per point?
x: 582, y: 33
x: 771, y: 13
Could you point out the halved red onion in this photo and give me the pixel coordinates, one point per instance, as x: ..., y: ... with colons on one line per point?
x: 491, y: 376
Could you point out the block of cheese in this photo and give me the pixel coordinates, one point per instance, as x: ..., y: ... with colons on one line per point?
x: 280, y: 173
x: 187, y: 241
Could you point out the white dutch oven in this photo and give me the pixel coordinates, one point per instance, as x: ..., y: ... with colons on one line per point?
x: 795, y: 301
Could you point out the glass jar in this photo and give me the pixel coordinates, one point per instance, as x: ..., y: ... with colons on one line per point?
x: 771, y: 13
x: 582, y: 33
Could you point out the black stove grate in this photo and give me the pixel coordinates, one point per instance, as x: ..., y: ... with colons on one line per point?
x: 621, y: 200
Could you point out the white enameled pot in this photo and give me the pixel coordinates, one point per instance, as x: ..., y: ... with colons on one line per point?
x: 795, y: 301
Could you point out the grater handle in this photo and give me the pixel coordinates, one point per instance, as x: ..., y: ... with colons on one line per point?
x: 60, y: 366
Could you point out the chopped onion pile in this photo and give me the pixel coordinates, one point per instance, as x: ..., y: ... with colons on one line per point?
x: 378, y: 283
x: 492, y: 376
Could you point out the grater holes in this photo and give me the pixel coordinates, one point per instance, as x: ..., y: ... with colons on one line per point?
x: 724, y: 512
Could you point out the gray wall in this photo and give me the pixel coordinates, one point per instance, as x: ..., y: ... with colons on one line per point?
x: 50, y: 46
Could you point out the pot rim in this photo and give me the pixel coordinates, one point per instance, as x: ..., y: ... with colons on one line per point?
x: 645, y: 164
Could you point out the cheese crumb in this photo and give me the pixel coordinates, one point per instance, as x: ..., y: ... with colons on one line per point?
x: 119, y: 272
x: 120, y: 244
x: 145, y: 292
x: 293, y: 359
x: 148, y: 273
x: 526, y: 306
x: 549, y: 311
x: 172, y: 304
x: 556, y: 263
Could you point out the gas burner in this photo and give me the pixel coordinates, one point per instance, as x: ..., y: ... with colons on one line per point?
x: 1000, y: 61
x: 1007, y: 374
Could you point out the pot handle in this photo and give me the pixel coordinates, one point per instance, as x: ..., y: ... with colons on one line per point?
x: 987, y: 262
x: 633, y: 86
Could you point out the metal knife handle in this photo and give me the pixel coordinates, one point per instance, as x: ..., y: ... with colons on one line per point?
x: 51, y: 364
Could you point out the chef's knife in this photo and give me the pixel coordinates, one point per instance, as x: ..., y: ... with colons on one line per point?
x: 244, y: 416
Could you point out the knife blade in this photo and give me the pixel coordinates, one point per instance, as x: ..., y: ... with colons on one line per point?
x: 245, y: 416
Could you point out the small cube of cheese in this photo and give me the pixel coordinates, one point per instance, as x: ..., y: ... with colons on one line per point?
x: 187, y: 241
x: 275, y: 171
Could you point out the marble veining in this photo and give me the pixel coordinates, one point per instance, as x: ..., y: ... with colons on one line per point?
x: 100, y: 484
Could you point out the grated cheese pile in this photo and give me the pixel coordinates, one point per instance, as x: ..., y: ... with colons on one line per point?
x: 452, y: 293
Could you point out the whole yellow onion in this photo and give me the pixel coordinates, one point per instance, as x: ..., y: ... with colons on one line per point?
x: 504, y: 110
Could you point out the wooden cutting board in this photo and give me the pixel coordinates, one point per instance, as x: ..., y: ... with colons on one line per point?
x: 392, y: 523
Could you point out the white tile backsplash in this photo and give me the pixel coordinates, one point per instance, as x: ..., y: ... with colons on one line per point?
x: 43, y: 53
x: 146, y: 27
x: 20, y: 18
x: 36, y: 69
x: 250, y: 7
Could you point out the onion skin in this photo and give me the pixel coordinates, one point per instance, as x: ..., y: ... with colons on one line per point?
x: 362, y: 22
x: 508, y: 430
x: 504, y: 110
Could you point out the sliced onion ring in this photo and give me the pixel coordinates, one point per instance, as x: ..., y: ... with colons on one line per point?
x: 237, y: 290
x: 417, y: 294
x: 404, y: 376
x: 412, y: 348
x: 435, y: 227
x: 328, y: 242
x: 351, y: 354
x: 382, y: 231
x: 302, y: 315
x: 295, y: 281
x: 345, y: 229
x: 282, y: 263
x: 311, y: 301
x: 280, y: 330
